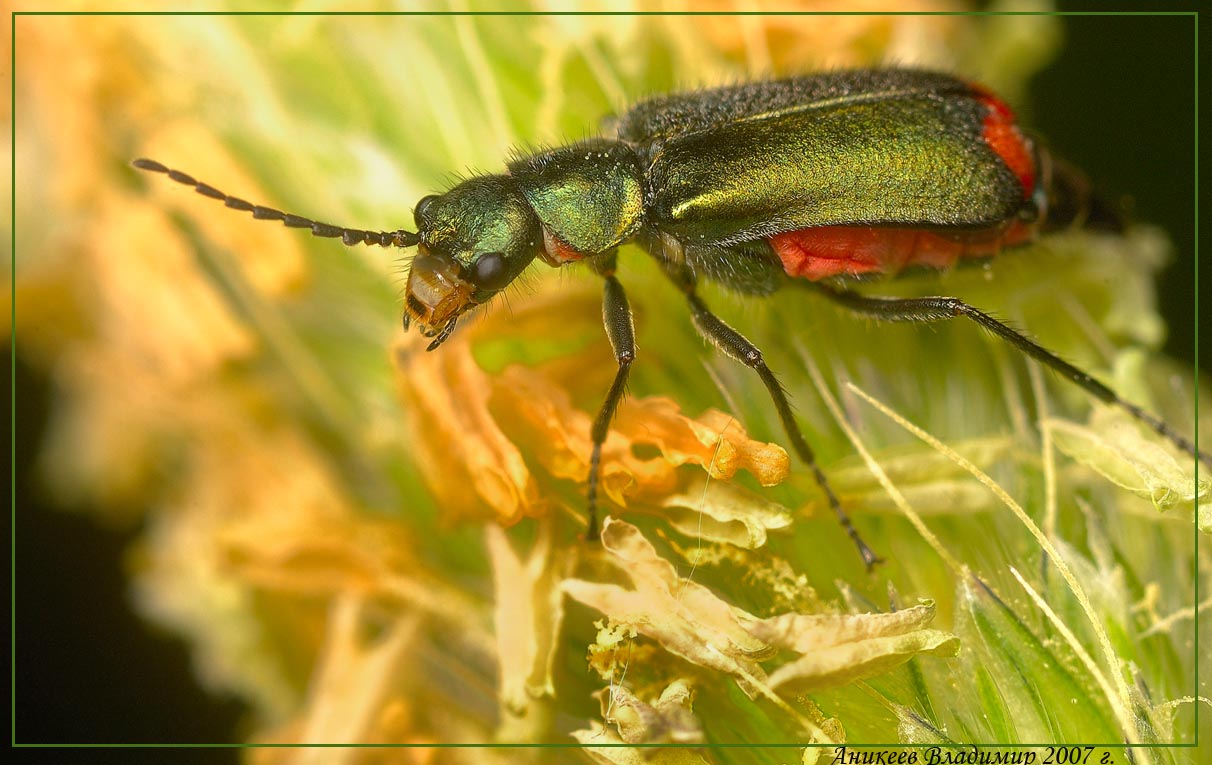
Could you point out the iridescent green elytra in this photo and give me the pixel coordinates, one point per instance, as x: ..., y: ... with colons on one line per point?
x: 801, y: 181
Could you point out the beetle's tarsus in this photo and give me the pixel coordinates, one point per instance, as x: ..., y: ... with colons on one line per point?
x: 930, y: 309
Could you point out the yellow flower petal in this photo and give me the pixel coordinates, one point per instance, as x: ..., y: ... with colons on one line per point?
x: 489, y: 444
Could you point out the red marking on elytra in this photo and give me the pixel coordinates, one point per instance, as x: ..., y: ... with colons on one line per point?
x: 819, y: 253
x: 1006, y: 140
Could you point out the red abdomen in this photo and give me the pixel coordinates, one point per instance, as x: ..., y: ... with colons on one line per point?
x: 819, y: 253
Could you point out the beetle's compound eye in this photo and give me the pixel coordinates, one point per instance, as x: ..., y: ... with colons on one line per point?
x: 488, y: 272
x: 420, y: 213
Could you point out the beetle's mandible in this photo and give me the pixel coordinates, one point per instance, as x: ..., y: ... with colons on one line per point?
x: 804, y: 181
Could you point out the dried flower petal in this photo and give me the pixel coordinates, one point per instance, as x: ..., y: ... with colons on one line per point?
x: 722, y: 512
x: 848, y: 663
x: 479, y: 436
x: 843, y: 648
x: 689, y: 621
x: 686, y: 618
x: 714, y: 440
x: 353, y: 695
x: 1115, y: 447
x: 605, y: 746
x: 668, y: 719
x: 468, y: 462
x: 540, y: 411
x: 529, y: 612
x: 803, y: 633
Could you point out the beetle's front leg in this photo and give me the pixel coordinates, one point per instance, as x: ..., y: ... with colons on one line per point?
x: 738, y: 347
x: 616, y: 315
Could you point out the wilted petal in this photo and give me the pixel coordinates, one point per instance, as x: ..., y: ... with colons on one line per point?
x: 686, y: 618
x: 471, y: 466
x: 605, y: 746
x: 842, y: 648
x: 540, y: 412
x: 803, y: 633
x: 848, y: 663
x: 529, y: 611
x: 723, y: 512
x: 667, y: 719
x: 486, y: 442
x: 353, y: 697
x: 1115, y: 446
x: 713, y: 441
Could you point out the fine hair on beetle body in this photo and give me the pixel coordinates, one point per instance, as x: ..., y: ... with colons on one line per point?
x: 811, y: 181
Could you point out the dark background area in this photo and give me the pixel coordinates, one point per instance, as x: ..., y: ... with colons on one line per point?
x: 1118, y: 103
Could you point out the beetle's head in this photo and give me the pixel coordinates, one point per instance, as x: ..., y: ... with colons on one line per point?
x: 474, y: 240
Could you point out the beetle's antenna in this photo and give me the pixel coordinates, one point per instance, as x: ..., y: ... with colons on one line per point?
x: 349, y: 236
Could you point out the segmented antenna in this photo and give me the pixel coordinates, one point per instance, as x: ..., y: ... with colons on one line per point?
x: 349, y: 236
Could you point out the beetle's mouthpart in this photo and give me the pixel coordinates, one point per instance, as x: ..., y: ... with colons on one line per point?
x: 435, y: 296
x: 441, y: 338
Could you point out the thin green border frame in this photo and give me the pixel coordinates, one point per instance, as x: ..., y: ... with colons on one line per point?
x: 559, y: 745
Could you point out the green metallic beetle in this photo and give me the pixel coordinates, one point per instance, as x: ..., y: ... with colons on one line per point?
x: 804, y: 181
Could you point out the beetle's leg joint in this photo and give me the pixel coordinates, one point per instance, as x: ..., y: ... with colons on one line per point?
x: 620, y: 330
x: 738, y: 347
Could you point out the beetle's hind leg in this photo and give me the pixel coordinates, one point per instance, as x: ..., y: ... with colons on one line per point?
x: 616, y: 315
x: 737, y: 346
x: 928, y: 309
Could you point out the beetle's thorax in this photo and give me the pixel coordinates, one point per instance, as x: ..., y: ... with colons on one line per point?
x: 587, y: 196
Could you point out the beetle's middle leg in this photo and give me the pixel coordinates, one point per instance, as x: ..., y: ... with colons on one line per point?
x: 738, y: 347
x: 620, y: 329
